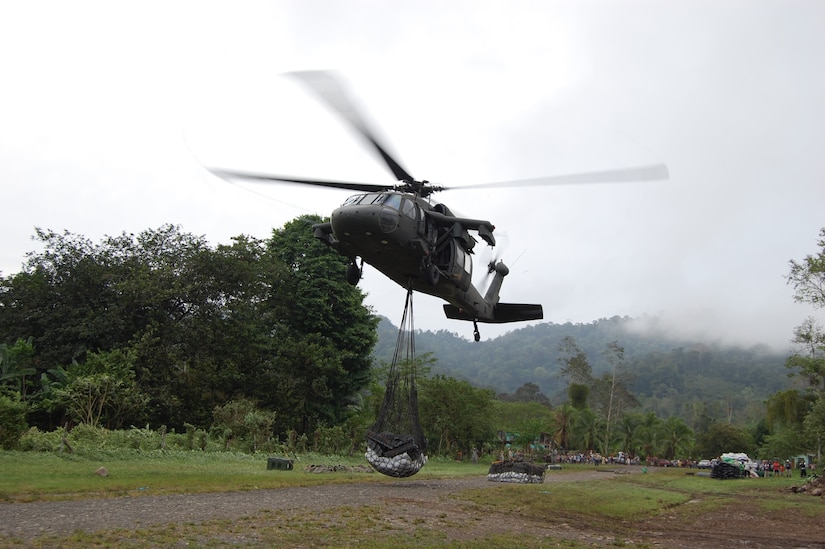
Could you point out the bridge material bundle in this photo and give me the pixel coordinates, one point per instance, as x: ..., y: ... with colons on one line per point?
x: 723, y: 470
x: 395, y: 442
x: 396, y: 456
x: 520, y: 472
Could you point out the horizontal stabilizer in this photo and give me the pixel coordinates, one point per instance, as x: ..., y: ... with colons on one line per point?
x: 503, y: 312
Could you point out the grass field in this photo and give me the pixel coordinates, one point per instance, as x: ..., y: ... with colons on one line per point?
x: 34, y: 476
x: 613, y: 504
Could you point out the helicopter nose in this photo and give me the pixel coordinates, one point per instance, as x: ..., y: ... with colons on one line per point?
x: 367, y: 221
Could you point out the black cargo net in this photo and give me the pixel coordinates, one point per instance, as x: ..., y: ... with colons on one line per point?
x: 395, y: 442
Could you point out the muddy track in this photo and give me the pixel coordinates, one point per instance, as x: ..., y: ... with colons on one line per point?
x: 420, y: 498
x: 26, y: 520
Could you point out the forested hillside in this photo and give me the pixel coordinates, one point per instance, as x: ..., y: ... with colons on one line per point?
x: 692, y: 380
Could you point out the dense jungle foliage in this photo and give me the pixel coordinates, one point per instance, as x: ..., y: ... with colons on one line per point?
x: 175, y: 327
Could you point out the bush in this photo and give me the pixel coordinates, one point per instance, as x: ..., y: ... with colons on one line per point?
x: 88, y: 436
x: 195, y: 438
x: 12, y: 420
x: 241, y: 425
x: 331, y: 440
x: 35, y: 440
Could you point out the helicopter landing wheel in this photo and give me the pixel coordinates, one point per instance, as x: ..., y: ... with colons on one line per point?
x: 353, y: 273
x: 476, y: 333
x: 432, y: 274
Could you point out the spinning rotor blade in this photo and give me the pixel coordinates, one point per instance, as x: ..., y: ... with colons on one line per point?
x: 329, y: 89
x: 492, y: 255
x: 231, y: 174
x: 639, y: 173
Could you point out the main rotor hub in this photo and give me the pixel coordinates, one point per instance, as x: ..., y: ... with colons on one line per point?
x: 419, y: 188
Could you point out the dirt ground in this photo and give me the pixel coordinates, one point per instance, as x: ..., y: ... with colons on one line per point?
x: 420, y: 501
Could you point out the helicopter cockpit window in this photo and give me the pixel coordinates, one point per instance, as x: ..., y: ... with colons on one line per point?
x: 408, y: 208
x: 463, y: 260
x: 364, y: 199
x: 393, y: 201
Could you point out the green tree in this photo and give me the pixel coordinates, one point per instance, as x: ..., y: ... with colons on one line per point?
x: 786, y: 409
x: 528, y: 432
x: 613, y: 385
x: 454, y: 413
x: 586, y: 428
x: 208, y: 322
x: 241, y: 422
x: 76, y: 297
x: 578, y: 394
x: 786, y: 412
x: 509, y: 415
x: 782, y: 444
x: 333, y: 333
x: 575, y: 365
x: 204, y: 325
x: 304, y: 378
x: 628, y: 433
x: 12, y: 419
x: 16, y: 365
x: 807, y: 277
x: 814, y: 425
x: 563, y: 421
x: 102, y: 390
x: 809, y: 360
x: 529, y: 392
x: 677, y: 438
x: 720, y: 438
x: 649, y: 435
x: 46, y: 403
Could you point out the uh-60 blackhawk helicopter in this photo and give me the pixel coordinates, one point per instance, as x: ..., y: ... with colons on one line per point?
x: 418, y: 243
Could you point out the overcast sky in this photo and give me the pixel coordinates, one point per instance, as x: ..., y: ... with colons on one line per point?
x: 109, y: 109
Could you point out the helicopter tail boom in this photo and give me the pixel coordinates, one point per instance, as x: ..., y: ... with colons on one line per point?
x: 502, y: 312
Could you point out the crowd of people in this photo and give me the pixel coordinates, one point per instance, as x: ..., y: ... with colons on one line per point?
x: 763, y: 468
x: 591, y: 458
x: 776, y: 468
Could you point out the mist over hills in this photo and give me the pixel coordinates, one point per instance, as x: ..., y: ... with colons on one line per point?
x: 690, y: 379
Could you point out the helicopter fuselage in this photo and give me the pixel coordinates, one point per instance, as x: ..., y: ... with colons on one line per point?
x: 421, y: 246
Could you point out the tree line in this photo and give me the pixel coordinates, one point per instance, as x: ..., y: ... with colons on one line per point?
x: 263, y: 340
x: 160, y: 328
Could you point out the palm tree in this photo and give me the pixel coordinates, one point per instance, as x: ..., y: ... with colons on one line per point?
x: 628, y: 433
x: 585, y: 429
x: 648, y: 434
x: 678, y: 438
x: 563, y: 416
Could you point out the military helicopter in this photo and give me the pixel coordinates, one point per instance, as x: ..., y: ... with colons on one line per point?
x: 419, y: 244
